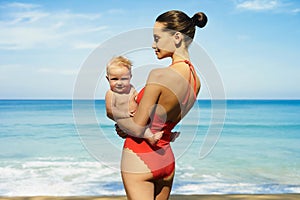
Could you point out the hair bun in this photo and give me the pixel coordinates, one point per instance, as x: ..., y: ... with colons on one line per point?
x: 199, y: 19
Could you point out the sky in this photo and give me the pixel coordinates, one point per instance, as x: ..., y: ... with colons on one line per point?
x: 254, y: 44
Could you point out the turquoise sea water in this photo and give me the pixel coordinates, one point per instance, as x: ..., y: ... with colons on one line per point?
x: 45, y: 151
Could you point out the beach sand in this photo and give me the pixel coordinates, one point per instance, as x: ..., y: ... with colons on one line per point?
x: 173, y: 197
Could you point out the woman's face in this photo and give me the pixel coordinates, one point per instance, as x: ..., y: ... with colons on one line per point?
x: 163, y: 44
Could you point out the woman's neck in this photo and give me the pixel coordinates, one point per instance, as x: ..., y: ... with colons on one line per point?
x: 180, y: 55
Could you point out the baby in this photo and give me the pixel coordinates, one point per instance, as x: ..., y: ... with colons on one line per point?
x: 120, y: 99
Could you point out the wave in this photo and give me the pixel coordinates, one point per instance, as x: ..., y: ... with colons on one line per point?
x: 262, y: 125
x: 67, y: 176
x: 232, y: 188
x: 63, y: 176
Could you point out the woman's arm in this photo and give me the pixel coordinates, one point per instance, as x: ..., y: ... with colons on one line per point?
x: 136, y: 125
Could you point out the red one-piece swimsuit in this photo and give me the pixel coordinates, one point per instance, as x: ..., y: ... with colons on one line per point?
x: 159, y: 158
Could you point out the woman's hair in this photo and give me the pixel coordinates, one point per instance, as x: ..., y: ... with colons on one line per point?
x: 119, y: 61
x: 178, y: 21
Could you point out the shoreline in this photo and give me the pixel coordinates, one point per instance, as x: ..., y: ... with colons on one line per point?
x: 173, y: 197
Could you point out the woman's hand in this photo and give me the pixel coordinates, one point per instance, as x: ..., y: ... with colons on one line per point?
x: 152, y: 138
x: 132, y: 105
x: 120, y: 132
x: 131, y: 113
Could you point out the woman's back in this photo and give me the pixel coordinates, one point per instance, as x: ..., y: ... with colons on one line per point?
x: 178, y: 86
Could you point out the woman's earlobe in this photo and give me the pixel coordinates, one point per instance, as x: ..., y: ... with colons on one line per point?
x: 178, y: 38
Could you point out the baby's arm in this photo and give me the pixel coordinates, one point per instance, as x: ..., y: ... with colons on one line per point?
x: 108, y: 104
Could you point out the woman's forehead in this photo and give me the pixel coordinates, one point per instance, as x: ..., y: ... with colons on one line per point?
x: 158, y: 27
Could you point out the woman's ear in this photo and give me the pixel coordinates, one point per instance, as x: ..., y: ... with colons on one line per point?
x: 178, y: 37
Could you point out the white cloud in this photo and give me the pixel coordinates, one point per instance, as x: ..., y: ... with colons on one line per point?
x: 67, y: 15
x: 27, y: 26
x: 17, y: 68
x: 28, y: 81
x: 296, y: 10
x: 79, y: 31
x: 277, y: 6
x: 258, y: 4
x: 27, y: 16
x: 68, y: 72
x: 17, y: 5
x: 115, y: 11
x: 85, y: 45
x: 26, y: 37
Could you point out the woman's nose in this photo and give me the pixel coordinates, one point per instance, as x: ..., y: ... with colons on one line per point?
x: 154, y: 45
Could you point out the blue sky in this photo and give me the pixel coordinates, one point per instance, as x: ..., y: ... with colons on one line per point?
x: 255, y: 44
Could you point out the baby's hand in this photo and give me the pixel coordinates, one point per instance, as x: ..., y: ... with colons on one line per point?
x: 151, y: 137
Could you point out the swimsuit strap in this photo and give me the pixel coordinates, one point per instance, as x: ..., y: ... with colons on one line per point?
x: 192, y: 70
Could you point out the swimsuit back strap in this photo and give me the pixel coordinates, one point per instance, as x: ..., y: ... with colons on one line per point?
x: 192, y: 70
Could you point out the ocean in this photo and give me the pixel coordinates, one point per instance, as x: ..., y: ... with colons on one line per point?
x: 51, y: 147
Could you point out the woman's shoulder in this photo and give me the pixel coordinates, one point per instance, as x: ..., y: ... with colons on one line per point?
x: 161, y: 72
x: 157, y: 72
x: 160, y: 75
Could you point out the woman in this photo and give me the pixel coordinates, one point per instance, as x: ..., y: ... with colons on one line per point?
x: 148, y: 170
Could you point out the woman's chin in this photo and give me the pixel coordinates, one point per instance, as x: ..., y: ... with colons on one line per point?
x: 159, y: 56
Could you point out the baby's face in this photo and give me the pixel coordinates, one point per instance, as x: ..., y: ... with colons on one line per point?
x: 119, y: 79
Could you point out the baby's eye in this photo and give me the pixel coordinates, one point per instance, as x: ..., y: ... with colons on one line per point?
x: 124, y: 79
x: 114, y: 79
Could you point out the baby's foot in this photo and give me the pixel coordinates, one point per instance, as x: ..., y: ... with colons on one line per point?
x: 174, y: 135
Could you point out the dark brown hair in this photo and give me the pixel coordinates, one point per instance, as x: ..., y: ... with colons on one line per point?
x: 178, y: 21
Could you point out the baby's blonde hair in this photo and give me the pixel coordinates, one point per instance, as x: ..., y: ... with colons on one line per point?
x: 119, y: 61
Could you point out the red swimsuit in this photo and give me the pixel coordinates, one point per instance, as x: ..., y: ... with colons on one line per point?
x: 159, y: 159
